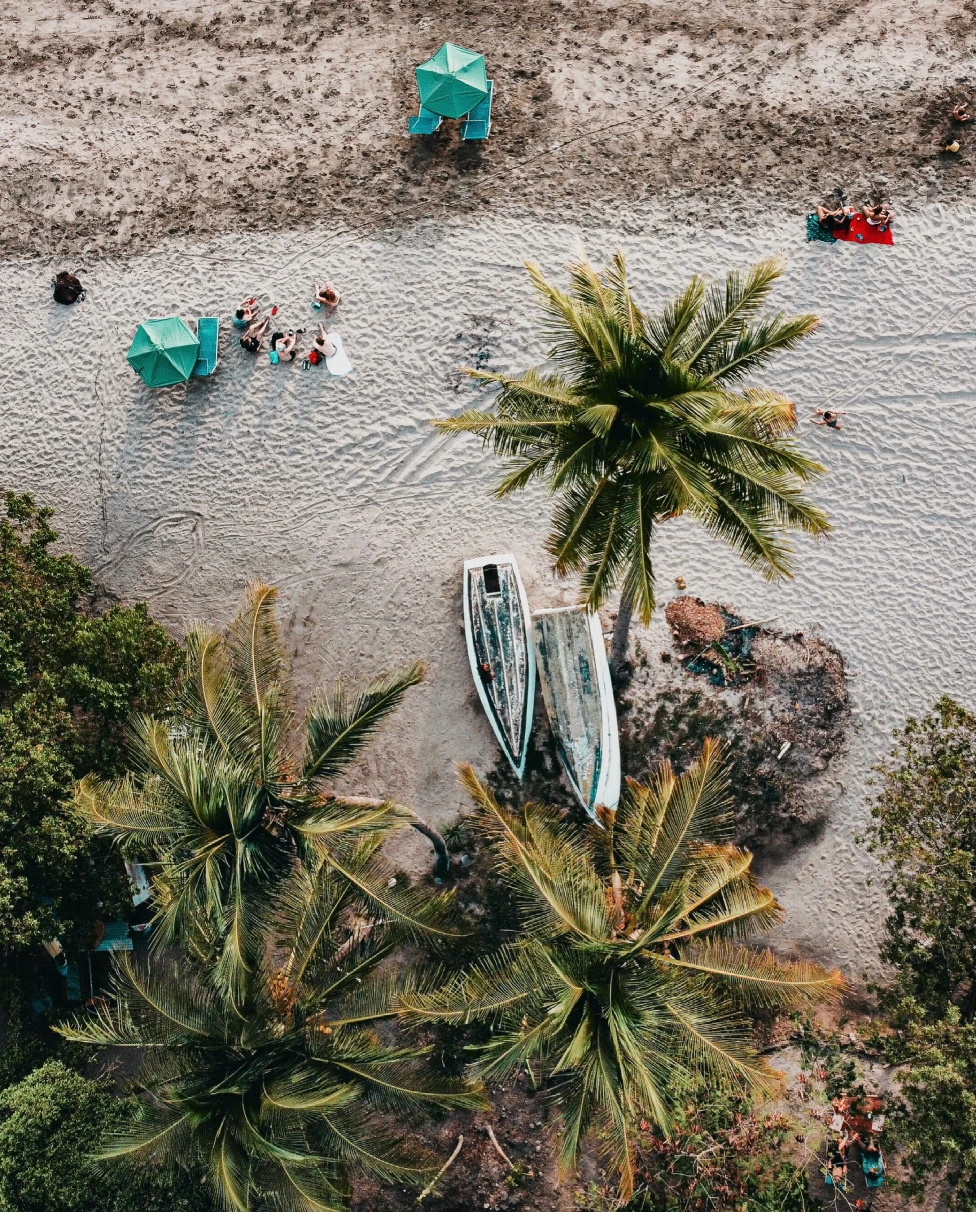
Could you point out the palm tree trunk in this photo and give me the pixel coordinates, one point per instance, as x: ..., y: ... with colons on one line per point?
x: 621, y: 635
x: 442, y: 862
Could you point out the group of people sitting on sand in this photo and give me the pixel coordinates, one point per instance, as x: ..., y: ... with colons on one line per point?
x: 856, y: 1120
x: 259, y: 333
x: 837, y: 219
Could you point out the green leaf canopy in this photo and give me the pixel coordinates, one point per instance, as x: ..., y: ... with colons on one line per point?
x: 452, y: 82
x: 163, y: 352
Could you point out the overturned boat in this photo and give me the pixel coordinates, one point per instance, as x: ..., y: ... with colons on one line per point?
x: 575, y: 677
x: 496, y: 629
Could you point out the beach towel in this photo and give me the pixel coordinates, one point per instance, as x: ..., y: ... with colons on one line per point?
x: 816, y: 232
x: 338, y: 364
x: 860, y: 231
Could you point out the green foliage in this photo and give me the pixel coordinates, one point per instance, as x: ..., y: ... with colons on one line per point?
x: 935, y: 1125
x: 225, y: 807
x: 278, y: 1091
x: 925, y: 831
x: 645, y: 418
x: 627, y: 981
x: 266, y: 1017
x: 48, y: 1123
x: 68, y: 680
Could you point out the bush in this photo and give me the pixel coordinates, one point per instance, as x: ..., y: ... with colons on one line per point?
x: 69, y: 679
x: 49, y: 1124
x: 926, y: 818
x: 935, y: 1125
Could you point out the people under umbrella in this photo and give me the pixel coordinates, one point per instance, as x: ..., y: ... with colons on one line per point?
x: 857, y: 1122
x: 260, y: 333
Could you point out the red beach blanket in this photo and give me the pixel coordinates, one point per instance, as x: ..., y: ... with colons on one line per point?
x: 860, y: 231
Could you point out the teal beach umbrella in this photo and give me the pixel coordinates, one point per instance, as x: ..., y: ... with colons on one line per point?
x: 163, y: 351
x: 452, y: 82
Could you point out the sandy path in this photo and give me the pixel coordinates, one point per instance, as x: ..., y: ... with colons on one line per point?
x: 124, y: 122
x: 339, y: 491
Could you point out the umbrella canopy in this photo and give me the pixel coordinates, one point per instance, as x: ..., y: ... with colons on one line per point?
x: 452, y: 82
x: 163, y: 351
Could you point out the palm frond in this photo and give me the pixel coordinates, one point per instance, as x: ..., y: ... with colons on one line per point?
x: 337, y: 729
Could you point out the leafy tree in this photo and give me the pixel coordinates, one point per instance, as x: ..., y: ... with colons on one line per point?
x: 645, y: 419
x: 628, y: 981
x: 69, y: 678
x: 280, y: 1095
x: 925, y: 831
x: 925, y: 816
x: 47, y: 1125
x: 934, y: 1124
x: 222, y: 804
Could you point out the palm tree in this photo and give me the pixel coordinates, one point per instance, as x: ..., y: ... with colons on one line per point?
x: 645, y: 419
x: 225, y: 808
x: 280, y: 1096
x: 628, y: 979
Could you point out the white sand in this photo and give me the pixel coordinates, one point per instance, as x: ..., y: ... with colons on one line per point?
x: 338, y: 490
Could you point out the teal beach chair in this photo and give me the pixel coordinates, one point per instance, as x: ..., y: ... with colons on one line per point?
x: 424, y: 123
x: 477, y: 125
x: 208, y: 330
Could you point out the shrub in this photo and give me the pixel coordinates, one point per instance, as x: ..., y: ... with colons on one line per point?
x: 926, y: 832
x: 69, y: 679
x: 49, y: 1123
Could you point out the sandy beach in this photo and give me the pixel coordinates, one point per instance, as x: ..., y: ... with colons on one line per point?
x: 339, y: 491
x: 122, y: 124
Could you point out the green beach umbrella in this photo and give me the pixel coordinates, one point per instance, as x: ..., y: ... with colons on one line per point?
x: 452, y: 82
x: 163, y: 351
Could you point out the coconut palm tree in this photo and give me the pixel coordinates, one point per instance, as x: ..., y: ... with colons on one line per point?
x: 280, y: 1096
x: 628, y: 979
x: 223, y: 806
x: 645, y: 418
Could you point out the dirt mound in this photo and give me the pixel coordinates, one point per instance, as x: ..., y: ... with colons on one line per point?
x: 780, y: 701
x: 693, y: 621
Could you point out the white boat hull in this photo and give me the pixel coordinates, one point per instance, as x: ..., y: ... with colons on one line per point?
x: 500, y: 651
x: 575, y: 677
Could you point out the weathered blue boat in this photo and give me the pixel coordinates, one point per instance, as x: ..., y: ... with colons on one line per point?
x: 575, y: 678
x: 496, y: 628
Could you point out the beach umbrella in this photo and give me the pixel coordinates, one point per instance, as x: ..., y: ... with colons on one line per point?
x: 452, y: 82
x: 163, y: 351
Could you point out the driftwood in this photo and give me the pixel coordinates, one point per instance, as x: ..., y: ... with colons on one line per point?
x: 441, y: 1172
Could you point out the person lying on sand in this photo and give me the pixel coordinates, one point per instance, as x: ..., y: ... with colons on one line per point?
x: 831, y: 220
x: 326, y: 296
x: 961, y: 112
x: 878, y: 216
x: 322, y: 343
x: 838, y: 1168
x: 253, y: 339
x: 822, y: 416
x: 246, y: 314
x: 951, y: 144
